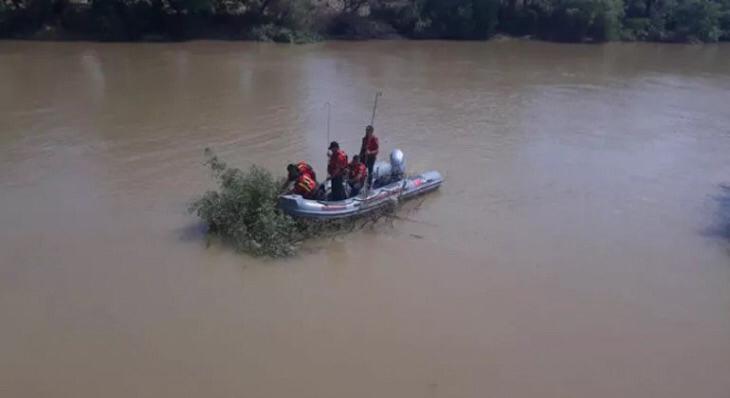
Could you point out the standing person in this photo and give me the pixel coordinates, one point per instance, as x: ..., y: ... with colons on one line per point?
x: 337, y: 169
x: 369, y: 151
x: 357, y: 175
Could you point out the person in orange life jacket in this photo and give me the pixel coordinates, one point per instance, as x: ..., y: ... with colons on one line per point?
x: 369, y: 151
x: 337, y: 169
x: 357, y: 174
x: 304, y: 167
x: 304, y: 184
x: 294, y: 170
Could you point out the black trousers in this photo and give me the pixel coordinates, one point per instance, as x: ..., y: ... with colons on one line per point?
x: 338, y: 189
x: 370, y: 162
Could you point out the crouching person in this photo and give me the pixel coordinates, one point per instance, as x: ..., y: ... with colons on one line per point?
x: 357, y: 175
x: 304, y: 184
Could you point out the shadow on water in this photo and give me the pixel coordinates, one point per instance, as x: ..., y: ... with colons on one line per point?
x: 721, y: 228
x: 195, y: 232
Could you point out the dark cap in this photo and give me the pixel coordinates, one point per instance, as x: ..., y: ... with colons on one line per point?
x: 334, y: 145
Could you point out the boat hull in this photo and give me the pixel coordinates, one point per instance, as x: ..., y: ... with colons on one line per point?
x: 377, y: 198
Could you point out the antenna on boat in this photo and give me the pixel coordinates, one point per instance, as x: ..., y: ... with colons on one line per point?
x: 375, y: 107
x: 329, y: 111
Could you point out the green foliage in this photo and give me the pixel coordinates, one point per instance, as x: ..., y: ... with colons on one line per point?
x: 677, y: 20
x: 594, y: 19
x: 573, y: 19
x: 4, y: 14
x: 191, y: 7
x: 725, y: 22
x: 607, y: 23
x: 280, y: 34
x: 242, y: 212
x: 456, y: 19
x: 692, y: 20
x: 171, y: 19
x: 636, y: 29
x: 402, y: 16
x: 299, y: 21
x: 113, y: 20
x: 24, y: 16
x: 485, y: 14
x: 296, y: 15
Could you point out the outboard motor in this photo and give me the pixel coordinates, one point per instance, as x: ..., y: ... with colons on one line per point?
x: 386, y: 172
x: 397, y: 163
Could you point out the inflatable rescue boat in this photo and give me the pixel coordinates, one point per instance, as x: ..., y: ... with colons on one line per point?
x: 390, y: 185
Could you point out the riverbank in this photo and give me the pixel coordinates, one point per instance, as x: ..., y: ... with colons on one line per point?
x: 373, y: 30
x: 283, y: 35
x: 300, y: 21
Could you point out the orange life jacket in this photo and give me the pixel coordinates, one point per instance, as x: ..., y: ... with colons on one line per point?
x: 305, y: 185
x: 337, y: 164
x: 305, y: 168
x: 369, y: 145
x: 358, y: 172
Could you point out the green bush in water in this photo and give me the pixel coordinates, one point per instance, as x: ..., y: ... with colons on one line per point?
x: 243, y: 213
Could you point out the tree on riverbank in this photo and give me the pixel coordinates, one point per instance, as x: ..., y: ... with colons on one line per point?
x: 304, y: 20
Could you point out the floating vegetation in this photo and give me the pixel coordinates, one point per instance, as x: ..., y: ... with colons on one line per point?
x: 242, y: 213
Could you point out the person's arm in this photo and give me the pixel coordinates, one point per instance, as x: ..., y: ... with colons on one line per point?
x: 286, y: 185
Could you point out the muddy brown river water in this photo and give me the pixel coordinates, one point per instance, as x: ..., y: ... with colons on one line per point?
x: 572, y: 251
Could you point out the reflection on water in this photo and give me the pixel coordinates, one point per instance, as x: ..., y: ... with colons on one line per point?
x: 564, y: 256
x: 721, y: 227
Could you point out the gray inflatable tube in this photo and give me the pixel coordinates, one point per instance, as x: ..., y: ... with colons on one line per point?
x: 405, y: 188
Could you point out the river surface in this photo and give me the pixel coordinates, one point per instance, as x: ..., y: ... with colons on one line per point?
x: 573, y: 251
